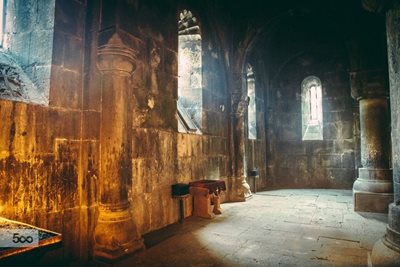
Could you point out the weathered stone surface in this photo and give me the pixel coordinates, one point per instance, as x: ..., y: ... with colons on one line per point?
x: 30, y: 37
x: 66, y: 88
x: 109, y: 135
x: 69, y: 16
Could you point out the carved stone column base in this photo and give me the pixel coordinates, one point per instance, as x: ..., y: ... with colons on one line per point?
x: 115, y: 233
x: 373, y: 190
x: 386, y: 251
x: 383, y: 255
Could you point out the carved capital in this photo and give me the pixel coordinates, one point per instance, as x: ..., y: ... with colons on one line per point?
x: 369, y: 84
x: 115, y: 56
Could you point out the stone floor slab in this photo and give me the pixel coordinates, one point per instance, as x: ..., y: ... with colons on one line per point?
x: 274, y: 228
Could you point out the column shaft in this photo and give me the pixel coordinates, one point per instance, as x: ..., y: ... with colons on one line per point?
x: 374, y: 124
x: 115, y: 233
x: 386, y: 251
x: 373, y: 189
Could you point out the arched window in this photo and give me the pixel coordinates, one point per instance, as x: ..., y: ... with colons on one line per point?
x: 311, y: 104
x: 251, y: 93
x: 190, y: 95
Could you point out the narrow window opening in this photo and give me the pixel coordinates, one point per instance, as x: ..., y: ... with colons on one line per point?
x: 2, y: 21
x: 252, y: 108
x: 190, y: 95
x: 312, y: 124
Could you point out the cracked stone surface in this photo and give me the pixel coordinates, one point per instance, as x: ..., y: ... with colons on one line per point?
x: 274, y: 228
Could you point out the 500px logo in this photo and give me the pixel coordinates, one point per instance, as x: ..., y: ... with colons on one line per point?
x: 16, y: 237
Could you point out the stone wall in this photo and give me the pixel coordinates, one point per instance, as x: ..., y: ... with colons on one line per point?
x: 161, y: 156
x: 327, y: 163
x: 50, y: 156
x: 51, y: 168
x: 47, y: 169
x: 29, y: 31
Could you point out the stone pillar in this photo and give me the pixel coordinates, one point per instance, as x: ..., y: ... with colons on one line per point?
x: 241, y: 189
x: 115, y: 233
x: 386, y: 251
x: 373, y: 190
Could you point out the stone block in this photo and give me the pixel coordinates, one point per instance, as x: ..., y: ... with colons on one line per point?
x: 183, y: 170
x: 18, y: 44
x: 66, y: 88
x: 346, y: 130
x: 298, y: 162
x: 171, y: 62
x: 87, y: 221
x: 170, y: 87
x: 90, y: 170
x: 45, y: 15
x: 332, y: 116
x: 6, y: 188
x: 332, y: 130
x: 40, y: 76
x: 69, y: 17
x: 58, y: 48
x: 68, y: 126
x: 341, y: 178
x: 292, y: 147
x: 348, y: 160
x: 44, y: 137
x: 25, y: 12
x: 330, y: 161
x: 6, y: 108
x: 223, y: 166
x: 41, y: 47
x: 63, y: 183
x: 91, y: 93
x: 73, y: 53
x: 340, y: 145
x: 372, y: 202
x: 289, y: 133
x: 334, y: 104
x: 182, y: 145
x: 71, y: 242
x: 320, y: 147
x: 91, y: 125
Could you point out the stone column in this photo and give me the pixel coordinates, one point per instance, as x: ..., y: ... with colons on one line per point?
x: 386, y: 251
x: 240, y: 186
x: 115, y: 233
x: 373, y: 190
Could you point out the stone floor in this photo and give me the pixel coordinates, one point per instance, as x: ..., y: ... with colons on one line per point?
x: 273, y: 228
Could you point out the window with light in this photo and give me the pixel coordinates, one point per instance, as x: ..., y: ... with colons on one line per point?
x: 312, y: 112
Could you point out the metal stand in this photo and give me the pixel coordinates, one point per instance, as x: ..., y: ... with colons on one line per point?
x: 181, y: 206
